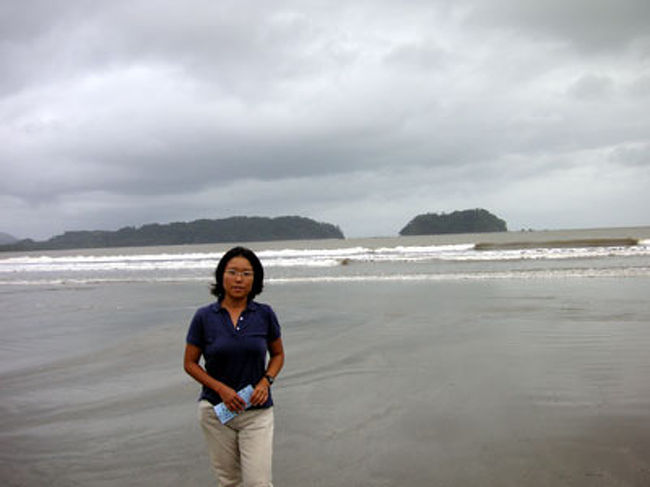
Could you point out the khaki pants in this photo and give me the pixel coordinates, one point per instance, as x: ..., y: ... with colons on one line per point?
x: 241, y: 450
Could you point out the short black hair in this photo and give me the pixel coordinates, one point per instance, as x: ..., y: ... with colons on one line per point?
x: 258, y: 272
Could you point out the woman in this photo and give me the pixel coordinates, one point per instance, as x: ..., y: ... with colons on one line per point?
x: 234, y: 335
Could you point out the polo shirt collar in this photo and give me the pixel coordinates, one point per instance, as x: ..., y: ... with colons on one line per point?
x: 251, y: 306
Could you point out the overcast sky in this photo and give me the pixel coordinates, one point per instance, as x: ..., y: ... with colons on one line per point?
x: 362, y: 114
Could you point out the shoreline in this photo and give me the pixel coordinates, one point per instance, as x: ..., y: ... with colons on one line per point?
x: 639, y: 233
x: 558, y: 244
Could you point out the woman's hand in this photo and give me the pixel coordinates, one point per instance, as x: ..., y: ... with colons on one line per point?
x: 261, y: 393
x: 230, y: 398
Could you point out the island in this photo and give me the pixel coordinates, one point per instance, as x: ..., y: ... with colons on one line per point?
x: 5, y: 238
x: 466, y: 221
x: 232, y: 229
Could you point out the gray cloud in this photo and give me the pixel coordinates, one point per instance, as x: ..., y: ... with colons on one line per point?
x: 588, y: 25
x: 592, y: 87
x: 124, y: 113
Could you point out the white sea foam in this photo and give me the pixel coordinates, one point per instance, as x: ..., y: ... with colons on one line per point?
x: 478, y: 276
x: 293, y: 258
x: 616, y: 272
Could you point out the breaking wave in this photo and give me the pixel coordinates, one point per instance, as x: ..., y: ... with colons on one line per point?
x: 291, y: 258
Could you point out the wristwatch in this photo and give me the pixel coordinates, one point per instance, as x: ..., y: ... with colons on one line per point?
x: 270, y: 379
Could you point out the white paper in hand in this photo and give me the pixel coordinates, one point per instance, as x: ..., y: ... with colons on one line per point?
x: 224, y: 414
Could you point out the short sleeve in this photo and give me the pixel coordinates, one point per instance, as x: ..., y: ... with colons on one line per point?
x: 195, y: 334
x: 274, y: 326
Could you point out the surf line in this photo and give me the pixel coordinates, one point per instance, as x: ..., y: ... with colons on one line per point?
x: 559, y: 244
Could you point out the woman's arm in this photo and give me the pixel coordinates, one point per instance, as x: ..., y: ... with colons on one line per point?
x: 261, y: 392
x: 276, y: 350
x: 193, y: 368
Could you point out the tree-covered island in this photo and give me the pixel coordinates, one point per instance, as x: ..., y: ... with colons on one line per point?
x: 233, y: 229
x: 466, y: 221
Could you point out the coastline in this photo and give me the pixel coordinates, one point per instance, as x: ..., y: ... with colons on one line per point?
x: 558, y: 244
x: 639, y: 233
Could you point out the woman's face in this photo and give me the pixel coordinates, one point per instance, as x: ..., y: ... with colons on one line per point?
x: 238, y: 278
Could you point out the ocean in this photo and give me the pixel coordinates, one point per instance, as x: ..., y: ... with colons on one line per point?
x: 409, y: 361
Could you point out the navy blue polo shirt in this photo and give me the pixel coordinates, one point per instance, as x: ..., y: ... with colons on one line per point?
x: 234, y: 355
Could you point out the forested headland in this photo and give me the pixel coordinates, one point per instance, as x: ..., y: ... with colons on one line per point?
x: 251, y: 229
x: 233, y: 229
x: 467, y: 221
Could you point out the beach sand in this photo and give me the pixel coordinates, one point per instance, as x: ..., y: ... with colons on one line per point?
x: 539, y: 382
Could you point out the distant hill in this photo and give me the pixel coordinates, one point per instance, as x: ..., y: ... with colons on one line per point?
x: 234, y: 229
x: 466, y: 221
x: 5, y: 238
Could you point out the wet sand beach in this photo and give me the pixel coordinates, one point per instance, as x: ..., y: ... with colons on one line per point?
x: 479, y: 384
x: 497, y: 382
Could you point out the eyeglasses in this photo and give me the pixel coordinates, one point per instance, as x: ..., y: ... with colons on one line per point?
x: 244, y: 274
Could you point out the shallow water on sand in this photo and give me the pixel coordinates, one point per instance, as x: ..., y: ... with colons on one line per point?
x: 496, y: 381
x: 471, y: 384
